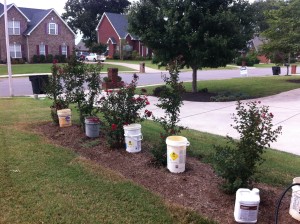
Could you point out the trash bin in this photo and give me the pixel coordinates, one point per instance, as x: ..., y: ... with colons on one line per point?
x: 142, y: 67
x: 276, y: 70
x: 43, y: 82
x: 293, y: 69
x: 38, y: 83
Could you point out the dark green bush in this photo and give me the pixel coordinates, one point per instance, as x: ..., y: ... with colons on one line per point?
x: 158, y: 91
x: 237, y: 161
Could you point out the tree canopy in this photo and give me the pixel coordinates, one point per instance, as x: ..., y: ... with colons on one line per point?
x: 84, y: 15
x: 203, y: 33
x: 283, y: 33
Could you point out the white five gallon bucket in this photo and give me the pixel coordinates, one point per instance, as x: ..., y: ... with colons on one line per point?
x: 295, y: 200
x: 133, y: 137
x: 64, y: 117
x: 246, y: 205
x: 176, y: 153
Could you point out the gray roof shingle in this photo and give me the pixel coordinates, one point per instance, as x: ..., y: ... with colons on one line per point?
x: 35, y: 16
x: 119, y: 22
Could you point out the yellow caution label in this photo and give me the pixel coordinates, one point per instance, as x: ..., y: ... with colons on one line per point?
x: 173, y: 156
x: 130, y: 143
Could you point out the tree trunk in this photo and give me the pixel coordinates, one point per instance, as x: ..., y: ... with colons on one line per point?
x: 194, y: 83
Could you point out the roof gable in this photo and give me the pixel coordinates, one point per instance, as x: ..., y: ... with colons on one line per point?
x: 38, y: 16
x: 9, y: 7
x: 119, y: 23
x: 33, y: 16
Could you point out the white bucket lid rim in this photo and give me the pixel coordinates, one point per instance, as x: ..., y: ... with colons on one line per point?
x: 132, y: 126
x: 182, y: 142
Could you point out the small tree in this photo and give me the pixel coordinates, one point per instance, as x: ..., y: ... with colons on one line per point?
x: 170, y: 100
x: 205, y: 33
x: 284, y: 31
x: 54, y: 91
x: 237, y: 161
x: 76, y: 74
x: 122, y: 107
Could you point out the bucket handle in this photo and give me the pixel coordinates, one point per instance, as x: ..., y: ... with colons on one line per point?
x: 131, y: 136
x: 187, y: 143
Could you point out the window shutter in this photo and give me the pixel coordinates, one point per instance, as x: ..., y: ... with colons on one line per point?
x: 37, y: 49
x: 60, y: 50
x: 46, y: 28
x: 58, y: 28
x: 46, y: 49
x: 68, y: 51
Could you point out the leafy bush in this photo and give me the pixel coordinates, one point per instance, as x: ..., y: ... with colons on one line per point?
x: 158, y: 91
x: 250, y: 59
x: 54, y: 91
x: 18, y: 61
x: 237, y: 161
x: 77, y: 74
x: 49, y: 58
x: 122, y: 107
x: 170, y: 100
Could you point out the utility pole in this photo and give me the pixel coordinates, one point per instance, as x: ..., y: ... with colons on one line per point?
x: 8, y: 52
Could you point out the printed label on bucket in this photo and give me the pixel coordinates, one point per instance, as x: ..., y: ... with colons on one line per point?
x: 173, y: 156
x: 296, y: 202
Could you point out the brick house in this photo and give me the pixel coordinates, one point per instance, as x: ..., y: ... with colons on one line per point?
x: 112, y: 30
x: 34, y: 32
x: 255, y: 44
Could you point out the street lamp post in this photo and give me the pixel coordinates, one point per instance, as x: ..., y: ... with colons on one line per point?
x: 8, y: 51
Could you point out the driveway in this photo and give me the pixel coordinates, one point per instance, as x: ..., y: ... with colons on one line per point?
x: 216, y: 117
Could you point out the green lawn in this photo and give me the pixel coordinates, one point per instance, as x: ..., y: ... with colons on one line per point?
x: 44, y: 183
x: 44, y: 68
x: 252, y: 86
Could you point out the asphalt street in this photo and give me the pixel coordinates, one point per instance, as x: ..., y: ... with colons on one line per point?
x: 22, y: 85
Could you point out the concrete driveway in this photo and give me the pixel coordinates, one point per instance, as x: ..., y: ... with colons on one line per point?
x: 216, y: 117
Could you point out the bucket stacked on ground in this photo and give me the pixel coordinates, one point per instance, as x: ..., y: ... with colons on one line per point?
x: 133, y: 137
x: 92, y: 127
x: 64, y: 118
x: 176, y: 153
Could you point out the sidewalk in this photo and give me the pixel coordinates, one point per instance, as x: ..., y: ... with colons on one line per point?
x: 216, y: 117
x: 134, y: 66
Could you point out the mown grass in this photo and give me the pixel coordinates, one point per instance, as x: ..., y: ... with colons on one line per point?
x: 253, y: 87
x: 45, y: 68
x: 278, y: 170
x: 45, y: 183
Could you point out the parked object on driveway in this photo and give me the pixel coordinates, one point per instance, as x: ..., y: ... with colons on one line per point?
x: 81, y: 55
x: 95, y: 57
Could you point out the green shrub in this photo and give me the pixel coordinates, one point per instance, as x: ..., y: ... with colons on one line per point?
x: 122, y: 107
x: 158, y: 91
x: 170, y: 100
x: 237, y: 161
x: 49, y: 58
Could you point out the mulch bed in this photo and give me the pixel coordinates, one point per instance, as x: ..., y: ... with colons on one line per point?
x: 196, y: 189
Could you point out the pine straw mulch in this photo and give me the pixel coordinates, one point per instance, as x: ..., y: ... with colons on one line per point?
x: 197, y: 188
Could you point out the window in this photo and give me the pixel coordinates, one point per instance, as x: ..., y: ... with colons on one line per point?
x: 14, y: 27
x: 15, y: 50
x: 64, y: 50
x: 52, y: 29
x: 42, y: 49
